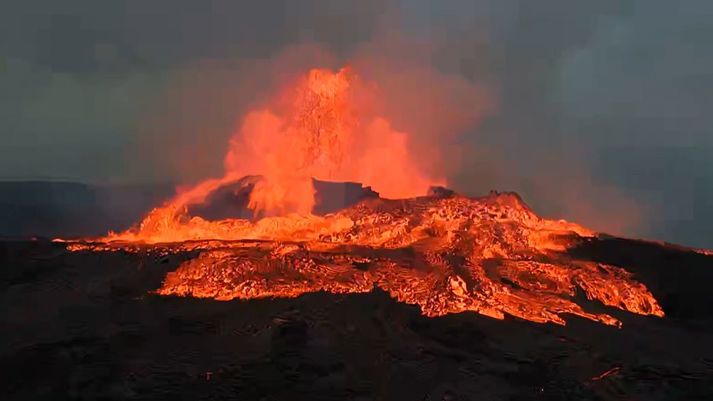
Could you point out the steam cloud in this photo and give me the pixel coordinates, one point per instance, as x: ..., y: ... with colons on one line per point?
x: 593, y: 111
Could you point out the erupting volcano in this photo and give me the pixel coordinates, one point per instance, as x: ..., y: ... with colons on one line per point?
x: 419, y: 242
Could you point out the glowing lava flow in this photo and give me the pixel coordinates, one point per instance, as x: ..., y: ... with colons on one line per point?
x: 490, y: 255
x: 445, y: 253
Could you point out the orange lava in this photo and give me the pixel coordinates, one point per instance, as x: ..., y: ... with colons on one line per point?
x: 325, y: 127
x: 490, y: 255
x: 444, y: 252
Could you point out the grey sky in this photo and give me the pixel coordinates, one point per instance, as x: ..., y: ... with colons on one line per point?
x: 602, y: 105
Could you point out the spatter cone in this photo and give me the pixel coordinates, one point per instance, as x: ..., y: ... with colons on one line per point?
x: 445, y: 253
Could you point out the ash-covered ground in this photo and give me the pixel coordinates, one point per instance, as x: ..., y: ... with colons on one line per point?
x: 84, y: 325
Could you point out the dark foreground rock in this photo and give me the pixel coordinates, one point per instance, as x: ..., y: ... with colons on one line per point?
x: 85, y: 326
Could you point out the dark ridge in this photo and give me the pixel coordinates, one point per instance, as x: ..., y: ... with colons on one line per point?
x: 51, y: 209
x: 64, y: 209
x: 440, y: 192
x: 334, y: 196
x: 231, y: 200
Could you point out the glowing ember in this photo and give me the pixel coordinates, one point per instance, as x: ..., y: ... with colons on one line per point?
x: 444, y: 253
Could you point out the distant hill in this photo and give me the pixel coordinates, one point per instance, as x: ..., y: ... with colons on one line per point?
x: 48, y: 209
x: 69, y: 209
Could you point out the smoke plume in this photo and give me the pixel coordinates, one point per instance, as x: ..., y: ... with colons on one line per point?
x: 593, y: 111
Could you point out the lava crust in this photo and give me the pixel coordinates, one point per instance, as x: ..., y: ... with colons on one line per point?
x: 446, y: 254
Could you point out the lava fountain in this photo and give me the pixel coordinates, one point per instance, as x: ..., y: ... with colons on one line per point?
x: 419, y: 242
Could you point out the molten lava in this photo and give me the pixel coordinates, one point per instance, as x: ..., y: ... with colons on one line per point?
x: 491, y: 255
x: 443, y: 252
x: 324, y: 126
